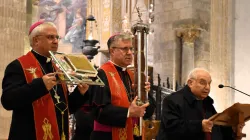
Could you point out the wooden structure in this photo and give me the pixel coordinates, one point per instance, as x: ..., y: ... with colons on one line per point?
x: 234, y: 116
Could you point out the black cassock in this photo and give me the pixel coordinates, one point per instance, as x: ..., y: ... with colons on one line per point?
x: 84, y: 118
x: 108, y: 114
x: 18, y: 97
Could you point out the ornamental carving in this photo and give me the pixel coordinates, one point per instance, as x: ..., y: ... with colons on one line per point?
x: 188, y: 33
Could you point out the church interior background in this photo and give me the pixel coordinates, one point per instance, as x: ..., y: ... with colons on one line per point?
x: 184, y: 34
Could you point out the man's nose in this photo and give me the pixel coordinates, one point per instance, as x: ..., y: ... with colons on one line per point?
x: 130, y: 51
x: 207, y: 86
x: 56, y: 41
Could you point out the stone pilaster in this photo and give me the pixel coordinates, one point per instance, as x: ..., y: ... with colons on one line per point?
x: 13, y: 29
x: 221, y: 66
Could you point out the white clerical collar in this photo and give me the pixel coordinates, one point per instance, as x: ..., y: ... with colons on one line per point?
x: 47, y: 58
x: 123, y: 68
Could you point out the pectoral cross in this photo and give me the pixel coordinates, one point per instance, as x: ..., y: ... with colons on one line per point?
x: 57, y: 98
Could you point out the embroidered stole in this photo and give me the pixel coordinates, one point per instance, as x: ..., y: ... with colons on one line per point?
x: 44, y: 109
x: 118, y: 98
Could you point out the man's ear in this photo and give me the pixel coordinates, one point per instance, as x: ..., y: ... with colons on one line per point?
x: 34, y: 40
x: 190, y: 82
x: 111, y: 51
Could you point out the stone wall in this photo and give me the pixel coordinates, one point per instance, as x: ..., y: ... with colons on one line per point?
x: 163, y: 49
x: 241, y: 55
x: 213, y: 46
x: 12, y: 32
x: 171, y: 16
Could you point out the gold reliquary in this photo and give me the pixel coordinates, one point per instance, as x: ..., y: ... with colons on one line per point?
x: 75, y: 69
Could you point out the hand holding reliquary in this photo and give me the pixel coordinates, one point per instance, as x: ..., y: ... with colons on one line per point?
x: 75, y: 69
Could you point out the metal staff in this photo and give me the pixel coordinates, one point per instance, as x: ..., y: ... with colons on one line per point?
x: 140, y: 31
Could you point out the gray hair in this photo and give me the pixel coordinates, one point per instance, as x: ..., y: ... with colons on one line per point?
x: 119, y: 36
x: 37, y: 30
x: 194, y: 72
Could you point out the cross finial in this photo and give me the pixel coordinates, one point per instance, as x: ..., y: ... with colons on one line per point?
x: 139, y: 13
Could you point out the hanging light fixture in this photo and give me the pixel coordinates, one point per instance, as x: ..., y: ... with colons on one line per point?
x: 90, y: 49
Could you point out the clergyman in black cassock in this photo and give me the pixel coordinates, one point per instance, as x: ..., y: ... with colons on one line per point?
x: 185, y: 113
x: 28, y: 99
x: 110, y: 117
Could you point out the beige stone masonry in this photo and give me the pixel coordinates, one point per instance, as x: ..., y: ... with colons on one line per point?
x: 12, y: 32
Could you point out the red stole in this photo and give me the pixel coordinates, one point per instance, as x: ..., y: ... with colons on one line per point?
x: 44, y: 109
x: 119, y: 97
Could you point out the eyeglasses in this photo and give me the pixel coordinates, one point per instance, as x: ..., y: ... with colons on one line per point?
x: 125, y: 49
x: 51, y: 37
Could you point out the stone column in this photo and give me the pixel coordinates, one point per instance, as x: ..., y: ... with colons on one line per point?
x: 105, y: 23
x: 13, y: 29
x: 116, y: 17
x: 188, y: 37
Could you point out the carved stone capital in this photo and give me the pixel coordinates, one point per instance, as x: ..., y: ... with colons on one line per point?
x: 35, y: 2
x: 188, y: 33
